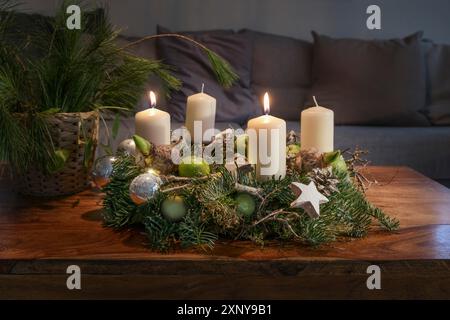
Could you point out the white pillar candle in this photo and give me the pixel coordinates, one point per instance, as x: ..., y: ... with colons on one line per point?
x: 200, y: 110
x: 317, y: 129
x: 153, y: 124
x: 267, y: 144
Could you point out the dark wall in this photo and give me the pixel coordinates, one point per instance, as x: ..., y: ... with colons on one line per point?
x: 295, y: 18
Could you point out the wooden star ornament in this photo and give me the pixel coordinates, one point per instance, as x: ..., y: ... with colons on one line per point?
x: 308, y: 198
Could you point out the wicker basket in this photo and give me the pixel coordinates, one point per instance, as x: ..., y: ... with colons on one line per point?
x: 69, y: 131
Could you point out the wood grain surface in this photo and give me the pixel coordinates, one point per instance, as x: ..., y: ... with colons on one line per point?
x: 40, y: 238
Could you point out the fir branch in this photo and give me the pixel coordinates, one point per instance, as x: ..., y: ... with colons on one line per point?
x: 225, y: 74
x: 160, y: 232
x: 276, y: 192
x: 211, y: 211
x: 119, y: 209
x: 387, y: 222
x: 314, y: 231
x: 194, y: 233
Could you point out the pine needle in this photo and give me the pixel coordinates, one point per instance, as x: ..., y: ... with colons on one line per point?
x: 222, y: 69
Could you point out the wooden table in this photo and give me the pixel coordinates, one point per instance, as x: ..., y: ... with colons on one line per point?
x: 40, y: 239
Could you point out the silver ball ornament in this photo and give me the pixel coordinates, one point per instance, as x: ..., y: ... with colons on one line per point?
x: 127, y: 147
x: 144, y: 187
x: 103, y: 169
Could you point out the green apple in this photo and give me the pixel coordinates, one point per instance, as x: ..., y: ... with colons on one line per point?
x: 193, y: 167
x: 335, y: 160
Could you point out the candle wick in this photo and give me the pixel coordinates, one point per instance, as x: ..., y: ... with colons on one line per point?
x: 203, y: 87
x: 315, y: 101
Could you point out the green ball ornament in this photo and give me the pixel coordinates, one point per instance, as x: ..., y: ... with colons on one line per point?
x: 246, y: 204
x: 336, y: 161
x: 173, y: 209
x: 193, y: 167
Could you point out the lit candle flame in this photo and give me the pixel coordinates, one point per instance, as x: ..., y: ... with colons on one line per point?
x: 150, y: 170
x: 152, y: 97
x: 266, y: 103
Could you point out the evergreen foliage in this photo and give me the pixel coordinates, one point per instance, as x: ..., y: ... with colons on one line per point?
x: 211, y: 210
x: 52, y: 69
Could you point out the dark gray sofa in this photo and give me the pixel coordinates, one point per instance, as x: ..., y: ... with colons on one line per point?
x: 426, y: 149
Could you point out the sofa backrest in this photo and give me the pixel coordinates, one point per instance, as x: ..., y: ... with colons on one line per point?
x: 438, y: 67
x: 282, y: 67
x: 288, y: 80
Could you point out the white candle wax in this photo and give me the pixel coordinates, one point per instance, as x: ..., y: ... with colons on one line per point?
x: 267, y: 144
x: 317, y: 129
x: 153, y: 124
x: 200, y: 108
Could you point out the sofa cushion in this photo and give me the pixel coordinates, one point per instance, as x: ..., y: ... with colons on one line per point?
x: 236, y: 104
x: 285, y: 102
x: 281, y: 66
x: 438, y: 62
x: 376, y: 82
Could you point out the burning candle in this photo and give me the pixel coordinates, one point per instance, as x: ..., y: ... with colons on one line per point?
x: 267, y: 144
x: 153, y: 124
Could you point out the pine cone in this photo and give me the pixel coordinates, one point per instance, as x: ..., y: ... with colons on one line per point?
x: 294, y: 163
x: 310, y: 159
x: 305, y: 160
x: 325, y: 180
x: 164, y: 151
x: 292, y: 138
x: 161, y: 159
